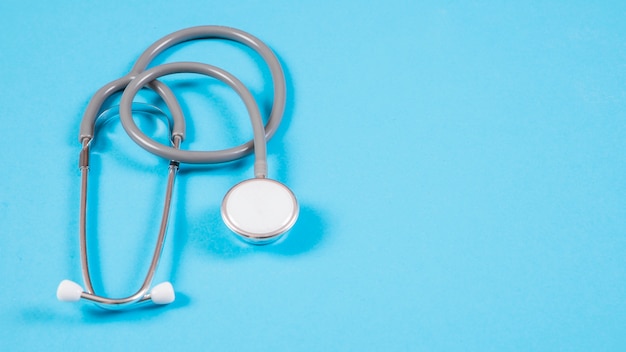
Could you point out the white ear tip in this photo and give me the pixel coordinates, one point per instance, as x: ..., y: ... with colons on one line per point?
x: 163, y: 293
x: 69, y: 291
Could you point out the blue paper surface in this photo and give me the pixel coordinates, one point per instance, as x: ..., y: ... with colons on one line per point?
x: 459, y: 165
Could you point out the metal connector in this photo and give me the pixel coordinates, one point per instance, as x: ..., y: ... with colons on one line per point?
x: 83, y: 159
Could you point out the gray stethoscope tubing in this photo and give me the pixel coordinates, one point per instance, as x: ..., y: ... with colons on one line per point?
x: 139, y: 77
x: 194, y: 33
x: 142, y: 79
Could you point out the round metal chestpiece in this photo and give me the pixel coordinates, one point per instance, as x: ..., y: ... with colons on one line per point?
x: 260, y: 210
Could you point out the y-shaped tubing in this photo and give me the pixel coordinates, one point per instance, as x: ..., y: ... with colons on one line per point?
x: 88, y: 123
x: 194, y: 33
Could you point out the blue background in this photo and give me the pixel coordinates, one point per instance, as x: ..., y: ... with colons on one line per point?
x: 460, y: 168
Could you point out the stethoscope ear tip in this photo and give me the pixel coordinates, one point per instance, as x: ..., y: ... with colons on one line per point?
x: 260, y: 210
x: 69, y: 291
x: 163, y: 293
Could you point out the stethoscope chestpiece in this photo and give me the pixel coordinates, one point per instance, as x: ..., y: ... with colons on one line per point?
x: 260, y: 210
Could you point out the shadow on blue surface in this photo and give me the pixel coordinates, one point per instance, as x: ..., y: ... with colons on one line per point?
x: 86, y: 312
x: 150, y: 309
x: 306, y: 235
x: 209, y: 234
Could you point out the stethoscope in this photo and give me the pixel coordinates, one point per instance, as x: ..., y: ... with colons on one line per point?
x: 259, y: 210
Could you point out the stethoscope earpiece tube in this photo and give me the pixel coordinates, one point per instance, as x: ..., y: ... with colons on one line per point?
x: 260, y: 210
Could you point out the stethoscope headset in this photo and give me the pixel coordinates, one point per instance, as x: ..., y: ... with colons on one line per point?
x: 260, y: 210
